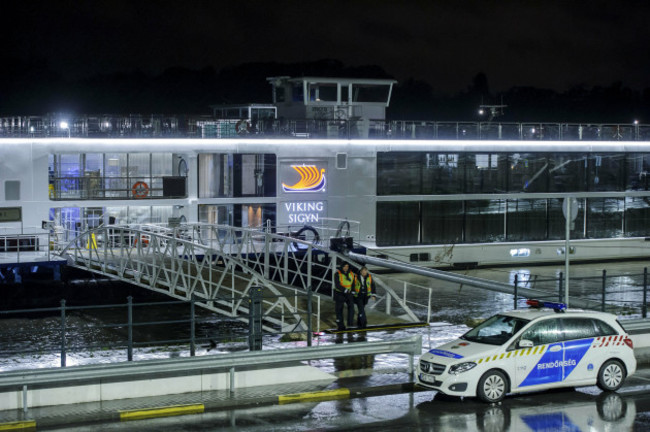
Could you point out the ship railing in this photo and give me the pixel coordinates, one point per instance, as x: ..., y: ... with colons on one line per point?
x: 29, y: 246
x: 140, y: 126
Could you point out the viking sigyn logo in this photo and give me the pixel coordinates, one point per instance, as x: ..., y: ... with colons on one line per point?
x: 311, y: 179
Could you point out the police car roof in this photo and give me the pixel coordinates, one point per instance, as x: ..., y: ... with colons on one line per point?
x: 536, y: 313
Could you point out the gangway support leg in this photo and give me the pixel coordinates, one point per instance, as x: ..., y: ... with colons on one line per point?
x: 309, y: 315
x: 255, y: 319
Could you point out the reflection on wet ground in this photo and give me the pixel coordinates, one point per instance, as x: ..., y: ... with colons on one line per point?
x: 565, y: 410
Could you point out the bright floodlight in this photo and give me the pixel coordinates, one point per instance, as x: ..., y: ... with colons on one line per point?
x: 64, y: 125
x: 481, y: 112
x: 636, y: 122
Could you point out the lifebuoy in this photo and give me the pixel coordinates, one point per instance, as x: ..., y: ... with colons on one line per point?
x: 144, y: 239
x: 140, y: 190
x: 242, y: 126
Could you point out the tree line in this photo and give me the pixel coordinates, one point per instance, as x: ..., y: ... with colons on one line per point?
x: 31, y: 88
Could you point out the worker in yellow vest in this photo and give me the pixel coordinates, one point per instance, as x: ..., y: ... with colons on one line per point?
x: 344, y: 282
x: 364, y: 289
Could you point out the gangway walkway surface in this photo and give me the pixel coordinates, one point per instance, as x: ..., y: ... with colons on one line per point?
x: 217, y: 266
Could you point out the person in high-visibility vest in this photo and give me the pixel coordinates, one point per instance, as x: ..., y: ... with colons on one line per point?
x: 344, y: 283
x: 364, y: 289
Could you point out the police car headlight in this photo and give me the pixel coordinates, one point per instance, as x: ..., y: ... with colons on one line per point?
x: 461, y: 367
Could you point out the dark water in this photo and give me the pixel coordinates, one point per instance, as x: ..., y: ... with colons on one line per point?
x: 162, y: 328
x: 96, y: 326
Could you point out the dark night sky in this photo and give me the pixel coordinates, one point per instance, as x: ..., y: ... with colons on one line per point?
x: 547, y: 44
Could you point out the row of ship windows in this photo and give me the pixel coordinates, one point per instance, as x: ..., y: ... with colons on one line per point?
x: 426, y: 173
x: 483, y: 221
x: 398, y: 173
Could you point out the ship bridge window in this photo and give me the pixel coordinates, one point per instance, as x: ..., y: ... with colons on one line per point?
x: 279, y: 94
x: 370, y: 93
x: 323, y: 92
x: 297, y: 92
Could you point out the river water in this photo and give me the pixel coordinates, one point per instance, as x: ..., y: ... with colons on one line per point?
x: 95, y: 335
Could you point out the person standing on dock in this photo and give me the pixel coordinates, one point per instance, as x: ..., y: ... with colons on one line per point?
x: 344, y: 283
x: 364, y: 289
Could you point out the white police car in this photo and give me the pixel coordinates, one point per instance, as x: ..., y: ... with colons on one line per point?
x: 544, y: 347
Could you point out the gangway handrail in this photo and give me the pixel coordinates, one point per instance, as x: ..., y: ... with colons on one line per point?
x: 247, y: 251
x: 464, y: 279
x: 134, y: 370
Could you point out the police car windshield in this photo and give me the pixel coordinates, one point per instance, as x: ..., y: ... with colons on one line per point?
x: 496, y: 330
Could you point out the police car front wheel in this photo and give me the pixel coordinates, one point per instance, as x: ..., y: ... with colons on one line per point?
x: 492, y: 387
x: 611, y: 375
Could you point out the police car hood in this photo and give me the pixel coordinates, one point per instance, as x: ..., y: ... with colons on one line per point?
x: 457, y: 350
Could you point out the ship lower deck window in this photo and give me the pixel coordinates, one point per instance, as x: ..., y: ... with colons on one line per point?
x: 437, y: 222
x: 420, y: 257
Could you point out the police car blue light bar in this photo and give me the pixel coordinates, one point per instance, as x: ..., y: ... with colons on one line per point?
x: 546, y: 304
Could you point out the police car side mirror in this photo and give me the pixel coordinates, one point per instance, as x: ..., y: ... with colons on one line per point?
x: 525, y: 343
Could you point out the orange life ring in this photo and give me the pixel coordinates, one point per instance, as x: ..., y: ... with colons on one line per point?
x: 140, y: 190
x: 144, y: 240
x: 242, y: 127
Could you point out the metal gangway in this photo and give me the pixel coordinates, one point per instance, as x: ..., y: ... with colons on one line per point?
x: 217, y: 266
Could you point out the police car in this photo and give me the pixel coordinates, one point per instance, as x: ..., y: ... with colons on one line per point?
x: 544, y: 347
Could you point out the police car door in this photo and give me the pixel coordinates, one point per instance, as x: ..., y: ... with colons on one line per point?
x: 579, y: 335
x: 542, y: 363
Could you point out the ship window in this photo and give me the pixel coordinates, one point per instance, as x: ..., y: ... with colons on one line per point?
x: 484, y: 220
x: 605, y: 217
x: 12, y: 190
x: 279, y: 94
x: 442, y: 222
x: 606, y: 172
x: 567, y: 172
x: 399, y: 173
x: 528, y: 172
x: 557, y: 221
x: 215, y: 175
x: 420, y: 257
x: 398, y: 223
x: 638, y: 171
x: 322, y: 92
x: 526, y: 219
x: 345, y: 94
x: 341, y: 160
x: 637, y: 217
x: 370, y: 93
x: 297, y: 92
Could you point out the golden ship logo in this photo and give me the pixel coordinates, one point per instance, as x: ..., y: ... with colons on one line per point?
x: 312, y: 179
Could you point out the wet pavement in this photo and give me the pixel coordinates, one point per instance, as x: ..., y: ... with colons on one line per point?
x: 379, y: 402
